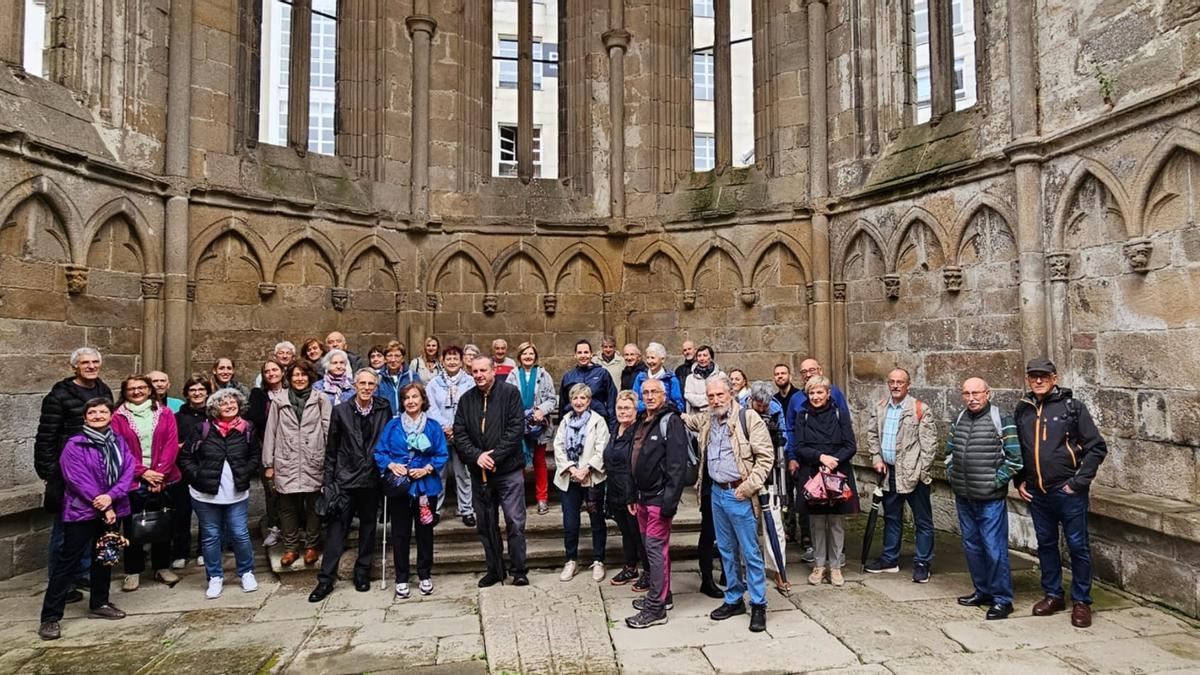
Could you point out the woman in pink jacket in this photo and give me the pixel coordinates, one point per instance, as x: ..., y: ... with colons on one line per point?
x: 148, y: 429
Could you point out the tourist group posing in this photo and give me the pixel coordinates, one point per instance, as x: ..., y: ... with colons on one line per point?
x: 333, y: 437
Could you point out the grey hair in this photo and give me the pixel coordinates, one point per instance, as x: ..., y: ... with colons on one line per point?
x: 818, y: 381
x: 656, y: 350
x: 762, y: 392
x: 284, y: 345
x: 84, y: 351
x: 371, y: 371
x: 579, y: 389
x: 470, y: 347
x: 635, y: 348
x: 328, y: 358
x: 213, y: 405
x: 627, y: 395
x: 720, y: 379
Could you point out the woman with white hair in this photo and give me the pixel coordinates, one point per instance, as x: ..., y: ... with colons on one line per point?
x: 337, y: 384
x: 219, y: 467
x: 654, y: 357
x: 579, y: 468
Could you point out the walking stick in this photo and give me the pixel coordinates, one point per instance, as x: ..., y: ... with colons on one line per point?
x: 383, y: 553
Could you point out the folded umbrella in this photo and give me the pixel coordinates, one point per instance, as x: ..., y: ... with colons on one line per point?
x: 770, y: 513
x: 872, y: 523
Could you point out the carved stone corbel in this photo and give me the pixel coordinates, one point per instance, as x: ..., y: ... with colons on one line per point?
x: 266, y: 289
x: 340, y: 297
x: 748, y: 296
x: 1137, y: 252
x: 152, y: 286
x: 191, y: 291
x: 77, y: 278
x: 431, y: 302
x: 891, y: 286
x: 689, y: 298
x: 491, y: 303
x: 1059, y: 264
x: 952, y: 275
x: 550, y: 303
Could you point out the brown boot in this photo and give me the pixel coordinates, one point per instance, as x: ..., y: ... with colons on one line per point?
x: 1081, y: 615
x: 1048, y: 605
x: 310, y: 557
x: 289, y: 557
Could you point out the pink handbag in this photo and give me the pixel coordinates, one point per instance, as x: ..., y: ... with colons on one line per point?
x: 827, y: 488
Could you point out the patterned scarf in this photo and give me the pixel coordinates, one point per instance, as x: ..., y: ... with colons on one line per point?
x: 576, y: 431
x: 106, y: 443
x: 361, y: 410
x: 226, y: 426
x: 705, y: 371
x: 336, y: 384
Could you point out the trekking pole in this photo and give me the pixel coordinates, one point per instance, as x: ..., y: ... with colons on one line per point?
x: 383, y: 553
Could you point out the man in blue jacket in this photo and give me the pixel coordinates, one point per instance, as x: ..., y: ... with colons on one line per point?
x: 1062, y: 450
x: 604, y: 392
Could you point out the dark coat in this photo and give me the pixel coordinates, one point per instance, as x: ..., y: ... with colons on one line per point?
x: 350, y: 454
x: 504, y: 428
x: 1060, y: 443
x: 190, y: 421
x: 621, y: 489
x: 825, y: 431
x: 202, y: 461
x: 604, y: 392
x: 658, y: 464
x: 61, y: 418
x: 628, y: 375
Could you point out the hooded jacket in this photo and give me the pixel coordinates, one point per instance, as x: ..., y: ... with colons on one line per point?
x: 754, y: 456
x: 824, y: 431
x: 604, y: 392
x: 390, y: 386
x: 61, y: 418
x: 350, y: 453
x: 1060, y: 444
x: 202, y: 461
x: 670, y: 385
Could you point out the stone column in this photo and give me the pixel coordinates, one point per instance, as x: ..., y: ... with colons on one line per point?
x: 175, y: 232
x: 525, y: 91
x: 841, y: 367
x: 941, y: 57
x: 421, y: 28
x: 299, y: 70
x: 12, y: 31
x: 152, y: 286
x: 1022, y: 153
x: 818, y: 183
x: 616, y: 42
x: 1059, y: 266
x: 723, y: 85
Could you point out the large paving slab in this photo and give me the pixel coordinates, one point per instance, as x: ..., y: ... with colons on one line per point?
x: 1032, y: 632
x: 1158, y: 654
x: 1024, y: 662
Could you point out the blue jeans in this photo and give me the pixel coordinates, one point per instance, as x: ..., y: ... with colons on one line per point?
x: 893, y: 520
x: 737, y: 533
x: 984, y: 528
x: 572, y: 504
x: 1049, y: 511
x: 57, y: 533
x: 224, y: 522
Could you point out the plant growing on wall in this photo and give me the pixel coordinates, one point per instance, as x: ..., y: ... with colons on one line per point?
x: 1107, y: 87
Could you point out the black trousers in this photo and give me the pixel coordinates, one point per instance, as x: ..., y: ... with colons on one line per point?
x: 77, y: 543
x: 363, y: 503
x: 503, y: 492
x: 405, y: 517
x: 708, y: 534
x: 181, y: 501
x: 160, y: 551
x: 632, y: 546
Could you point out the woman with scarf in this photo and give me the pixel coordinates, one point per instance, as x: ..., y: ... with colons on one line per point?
x: 149, y: 432
x: 271, y: 386
x: 539, y: 399
x: 413, y: 447
x: 218, y: 468
x: 427, y: 366
x: 293, y: 457
x: 337, y: 384
x: 620, y: 492
x: 222, y: 377
x: 189, y: 422
x: 823, y: 440
x: 579, y: 470
x: 97, y: 471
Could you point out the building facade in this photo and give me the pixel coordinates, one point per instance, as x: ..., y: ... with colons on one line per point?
x: 187, y: 179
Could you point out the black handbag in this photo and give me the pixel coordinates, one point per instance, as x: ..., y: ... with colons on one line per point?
x: 154, y: 522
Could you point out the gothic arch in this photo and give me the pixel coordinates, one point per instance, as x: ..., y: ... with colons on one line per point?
x: 122, y: 206
x: 715, y: 243
x: 665, y: 249
x: 519, y: 248
x: 1154, y: 164
x: 255, y: 244
x: 364, y: 247
x: 56, y: 200
x: 861, y: 227
x: 1086, y: 168
x: 972, y: 208
x: 793, y: 245
x: 240, y: 235
x: 589, y: 253
x: 323, y: 244
x: 915, y: 217
x: 467, y: 250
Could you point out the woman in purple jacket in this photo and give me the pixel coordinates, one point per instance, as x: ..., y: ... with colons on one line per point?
x: 97, y: 469
x: 149, y: 431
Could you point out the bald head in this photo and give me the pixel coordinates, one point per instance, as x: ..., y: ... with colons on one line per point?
x: 335, y: 340
x: 976, y: 394
x: 810, y: 368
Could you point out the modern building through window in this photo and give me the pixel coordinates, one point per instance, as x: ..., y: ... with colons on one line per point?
x: 963, y: 27
x: 275, y: 86
x: 507, y: 87
x: 706, y: 98
x: 32, y: 58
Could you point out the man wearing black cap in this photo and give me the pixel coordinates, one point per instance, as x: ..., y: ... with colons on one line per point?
x: 1062, y: 449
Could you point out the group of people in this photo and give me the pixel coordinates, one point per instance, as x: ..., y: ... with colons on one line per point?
x: 332, y: 437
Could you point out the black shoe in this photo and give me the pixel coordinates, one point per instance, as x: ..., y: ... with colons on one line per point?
x: 362, y: 584
x: 999, y: 611
x: 758, y: 618
x: 469, y: 520
x: 520, y: 580
x: 437, y: 518
x: 321, y: 592
x: 727, y: 610
x: 642, y: 584
x: 626, y: 575
x: 710, y: 589
x: 645, y: 619
x: 920, y: 573
x: 50, y: 631
x: 640, y: 603
x: 74, y: 596
x: 880, y: 566
x: 489, y: 580
x: 974, y: 600
x: 108, y: 612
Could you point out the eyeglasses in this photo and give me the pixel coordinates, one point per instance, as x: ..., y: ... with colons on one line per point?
x: 975, y: 394
x: 1039, y: 377
x: 138, y: 388
x: 890, y: 382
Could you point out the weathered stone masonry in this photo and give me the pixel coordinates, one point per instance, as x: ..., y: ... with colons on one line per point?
x: 139, y: 214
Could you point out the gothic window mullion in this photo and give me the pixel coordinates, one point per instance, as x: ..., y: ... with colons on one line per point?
x: 525, y: 90
x: 299, y: 72
x: 723, y: 99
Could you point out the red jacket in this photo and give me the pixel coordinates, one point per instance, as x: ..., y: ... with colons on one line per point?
x: 164, y: 447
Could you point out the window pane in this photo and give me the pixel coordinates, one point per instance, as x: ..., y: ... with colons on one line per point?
x: 544, y: 50
x: 275, y: 59
x: 965, y: 94
x: 741, y: 68
x: 35, y: 37
x: 322, y: 77
x: 921, y: 90
x: 703, y: 86
x: 704, y: 147
x: 702, y: 8
x: 703, y: 76
x: 506, y: 62
x: 545, y: 90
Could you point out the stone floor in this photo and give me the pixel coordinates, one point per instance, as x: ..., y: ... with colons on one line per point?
x: 875, y: 624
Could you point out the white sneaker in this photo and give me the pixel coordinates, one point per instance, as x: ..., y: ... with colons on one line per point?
x: 272, y: 537
x: 402, y: 591
x: 215, y: 585
x: 569, y: 571
x: 597, y: 571
x: 179, y: 563
x: 249, y: 583
x: 199, y: 561
x: 131, y: 582
x: 426, y: 586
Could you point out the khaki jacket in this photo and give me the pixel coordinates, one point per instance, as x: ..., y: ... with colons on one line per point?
x: 296, y: 448
x: 916, y: 443
x: 754, y: 458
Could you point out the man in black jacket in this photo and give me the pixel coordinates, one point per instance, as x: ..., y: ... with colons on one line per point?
x: 351, y: 485
x: 1062, y: 450
x: 62, y: 418
x: 659, y: 466
x: 488, y: 426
